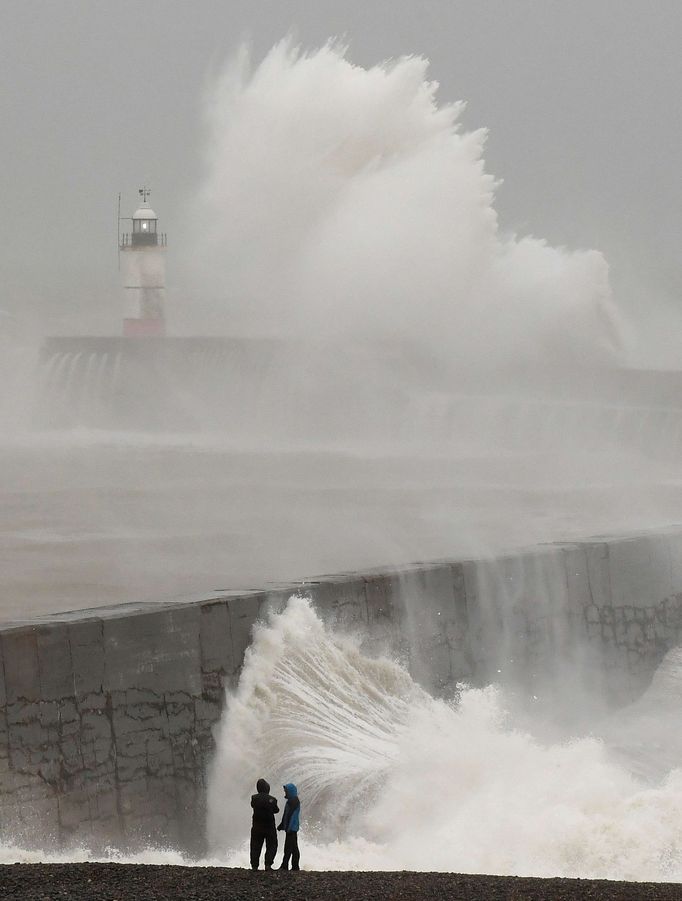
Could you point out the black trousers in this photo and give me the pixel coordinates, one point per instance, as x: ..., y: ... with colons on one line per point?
x: 291, y: 851
x: 258, y: 836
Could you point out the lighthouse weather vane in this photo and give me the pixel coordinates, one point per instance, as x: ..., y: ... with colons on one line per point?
x: 144, y: 193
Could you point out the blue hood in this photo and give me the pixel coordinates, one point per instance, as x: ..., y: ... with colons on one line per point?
x: 292, y: 809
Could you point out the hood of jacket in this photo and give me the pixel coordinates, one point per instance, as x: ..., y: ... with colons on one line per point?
x: 263, y: 786
x: 290, y: 790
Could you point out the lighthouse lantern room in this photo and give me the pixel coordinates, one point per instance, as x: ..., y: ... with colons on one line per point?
x: 143, y: 274
x: 144, y: 227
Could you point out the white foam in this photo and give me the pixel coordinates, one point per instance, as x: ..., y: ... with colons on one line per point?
x: 393, y: 779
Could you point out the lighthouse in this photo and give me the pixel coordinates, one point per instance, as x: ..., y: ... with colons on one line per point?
x: 143, y: 274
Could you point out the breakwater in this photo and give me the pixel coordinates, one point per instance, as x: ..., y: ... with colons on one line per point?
x: 390, y: 391
x: 107, y: 716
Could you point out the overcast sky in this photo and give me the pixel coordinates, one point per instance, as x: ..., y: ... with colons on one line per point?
x: 581, y: 97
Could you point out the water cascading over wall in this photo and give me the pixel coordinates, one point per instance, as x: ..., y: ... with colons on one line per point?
x: 107, y: 716
x: 270, y: 388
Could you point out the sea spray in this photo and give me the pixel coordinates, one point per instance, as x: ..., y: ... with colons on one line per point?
x: 354, y: 708
x: 342, y: 203
x: 392, y: 778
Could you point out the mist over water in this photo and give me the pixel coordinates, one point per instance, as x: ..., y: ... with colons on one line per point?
x: 428, y: 397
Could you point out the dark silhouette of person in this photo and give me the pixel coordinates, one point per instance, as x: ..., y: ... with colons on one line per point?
x: 290, y: 823
x: 263, y: 825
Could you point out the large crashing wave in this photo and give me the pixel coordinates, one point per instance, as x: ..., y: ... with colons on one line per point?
x: 392, y: 779
x: 344, y: 202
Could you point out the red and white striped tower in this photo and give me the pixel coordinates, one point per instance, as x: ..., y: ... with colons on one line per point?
x: 143, y: 274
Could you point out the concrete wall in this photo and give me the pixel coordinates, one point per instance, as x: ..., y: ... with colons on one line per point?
x: 106, y: 716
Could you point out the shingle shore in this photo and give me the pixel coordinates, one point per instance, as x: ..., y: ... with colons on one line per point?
x: 125, y: 882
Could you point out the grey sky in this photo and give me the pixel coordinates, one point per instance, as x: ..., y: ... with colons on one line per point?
x: 581, y: 98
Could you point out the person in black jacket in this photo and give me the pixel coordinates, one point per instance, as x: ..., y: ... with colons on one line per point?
x: 291, y: 821
x: 263, y: 825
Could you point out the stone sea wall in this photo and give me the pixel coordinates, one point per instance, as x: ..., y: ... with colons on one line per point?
x: 107, y: 716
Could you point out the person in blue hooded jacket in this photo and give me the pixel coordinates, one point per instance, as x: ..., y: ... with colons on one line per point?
x: 290, y: 823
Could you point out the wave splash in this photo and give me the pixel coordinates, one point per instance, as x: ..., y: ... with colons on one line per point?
x: 340, y: 201
x: 392, y: 778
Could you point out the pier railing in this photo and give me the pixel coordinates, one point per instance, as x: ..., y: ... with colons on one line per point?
x: 142, y: 239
